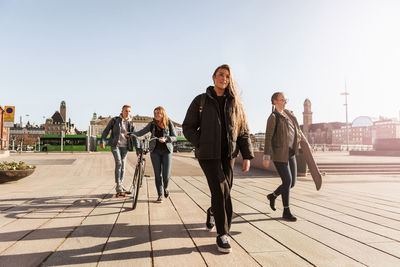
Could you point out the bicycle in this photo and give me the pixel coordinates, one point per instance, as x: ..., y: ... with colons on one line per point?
x: 140, y: 168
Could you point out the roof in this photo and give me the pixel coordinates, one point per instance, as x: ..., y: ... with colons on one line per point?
x: 362, y: 121
x: 57, y: 117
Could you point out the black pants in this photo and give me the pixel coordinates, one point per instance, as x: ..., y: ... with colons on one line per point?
x: 219, y: 174
x: 288, y: 173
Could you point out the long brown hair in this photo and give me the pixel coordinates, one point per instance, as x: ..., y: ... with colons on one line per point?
x: 239, y: 119
x: 164, y: 121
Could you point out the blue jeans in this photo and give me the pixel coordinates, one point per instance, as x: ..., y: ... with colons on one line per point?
x: 119, y: 154
x: 162, y: 168
x: 288, y: 173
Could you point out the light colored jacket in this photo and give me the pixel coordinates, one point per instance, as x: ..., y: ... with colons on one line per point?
x: 276, y: 141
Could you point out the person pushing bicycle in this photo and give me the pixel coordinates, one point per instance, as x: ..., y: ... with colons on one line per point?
x: 162, y: 136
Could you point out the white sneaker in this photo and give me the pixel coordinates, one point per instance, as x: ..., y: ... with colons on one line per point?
x: 118, y: 188
x: 223, y: 244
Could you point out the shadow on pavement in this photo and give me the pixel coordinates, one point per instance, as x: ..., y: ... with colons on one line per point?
x: 128, y: 235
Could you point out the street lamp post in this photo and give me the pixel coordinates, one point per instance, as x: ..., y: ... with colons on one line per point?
x: 347, y: 116
x: 22, y: 144
x: 62, y: 141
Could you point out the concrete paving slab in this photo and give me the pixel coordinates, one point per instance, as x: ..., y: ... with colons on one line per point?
x: 130, y: 238
x: 191, y: 214
x: 65, y: 214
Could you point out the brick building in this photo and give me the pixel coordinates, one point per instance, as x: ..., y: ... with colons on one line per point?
x: 57, y: 123
x: 25, y: 136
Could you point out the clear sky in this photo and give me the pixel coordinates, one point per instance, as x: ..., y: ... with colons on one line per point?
x: 98, y: 55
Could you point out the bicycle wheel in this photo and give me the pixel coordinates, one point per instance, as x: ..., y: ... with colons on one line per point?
x: 135, y: 186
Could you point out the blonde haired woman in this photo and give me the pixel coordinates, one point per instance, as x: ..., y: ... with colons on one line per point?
x: 216, y: 125
x: 161, y: 149
x: 282, y: 139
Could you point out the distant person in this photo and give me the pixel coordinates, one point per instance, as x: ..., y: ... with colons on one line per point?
x: 119, y: 144
x: 216, y: 125
x: 282, y: 139
x: 161, y: 149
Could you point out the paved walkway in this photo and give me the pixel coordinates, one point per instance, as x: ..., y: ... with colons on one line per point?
x: 65, y: 214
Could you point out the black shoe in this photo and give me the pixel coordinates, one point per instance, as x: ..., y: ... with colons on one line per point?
x: 166, y: 193
x: 159, y: 199
x: 210, y: 223
x: 288, y: 216
x: 223, y: 244
x: 271, y: 199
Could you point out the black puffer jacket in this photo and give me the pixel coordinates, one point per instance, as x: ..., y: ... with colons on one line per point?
x: 205, y: 133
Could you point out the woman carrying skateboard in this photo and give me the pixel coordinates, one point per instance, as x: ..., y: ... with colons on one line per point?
x: 161, y: 149
x: 216, y: 125
x: 282, y: 139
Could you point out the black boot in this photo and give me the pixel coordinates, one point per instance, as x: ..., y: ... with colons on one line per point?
x: 288, y: 216
x: 271, y: 199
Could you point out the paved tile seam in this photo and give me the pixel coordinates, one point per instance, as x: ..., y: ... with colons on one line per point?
x: 288, y: 225
x: 206, y: 240
x: 39, y: 226
x: 76, y: 227
x: 331, y: 190
x: 348, y: 214
x: 352, y: 194
x: 364, y: 243
x: 187, y: 230
x: 110, y: 233
x: 371, y: 210
x: 206, y: 193
x: 149, y: 220
x: 351, y: 215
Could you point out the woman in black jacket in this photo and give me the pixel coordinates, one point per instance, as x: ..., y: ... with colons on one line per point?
x: 216, y: 125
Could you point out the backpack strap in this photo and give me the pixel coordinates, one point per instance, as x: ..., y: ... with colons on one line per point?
x: 277, y: 115
x: 114, y: 120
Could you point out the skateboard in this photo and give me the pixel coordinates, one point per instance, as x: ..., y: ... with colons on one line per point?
x: 120, y: 194
x: 312, y: 166
x: 123, y: 193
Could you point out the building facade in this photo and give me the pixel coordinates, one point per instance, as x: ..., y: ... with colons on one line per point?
x: 98, y: 124
x: 25, y: 137
x: 362, y: 131
x: 58, y: 124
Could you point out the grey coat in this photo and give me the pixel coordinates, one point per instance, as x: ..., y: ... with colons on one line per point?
x: 115, y: 131
x: 277, y: 145
x: 168, y: 132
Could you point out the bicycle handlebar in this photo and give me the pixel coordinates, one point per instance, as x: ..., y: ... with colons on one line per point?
x: 144, y: 142
x: 144, y: 138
